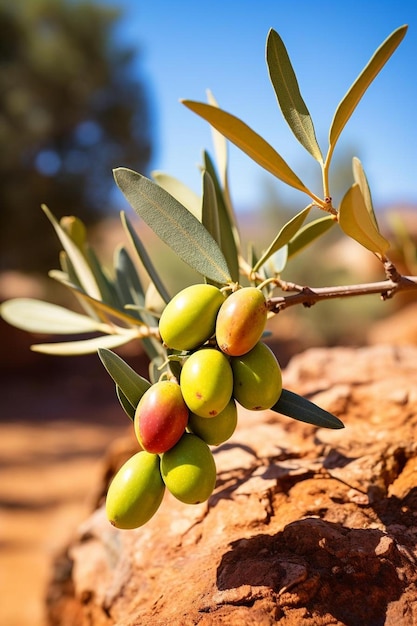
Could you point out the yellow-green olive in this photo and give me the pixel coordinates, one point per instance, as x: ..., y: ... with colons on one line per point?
x: 189, y: 470
x: 189, y: 319
x: 215, y: 430
x: 206, y: 382
x: 135, y: 492
x: 257, y: 379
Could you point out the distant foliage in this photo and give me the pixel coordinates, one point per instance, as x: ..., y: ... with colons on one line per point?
x: 70, y: 109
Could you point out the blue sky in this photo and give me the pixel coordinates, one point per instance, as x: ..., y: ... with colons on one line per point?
x: 188, y: 47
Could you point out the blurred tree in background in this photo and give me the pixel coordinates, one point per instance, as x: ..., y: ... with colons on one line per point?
x: 71, y: 109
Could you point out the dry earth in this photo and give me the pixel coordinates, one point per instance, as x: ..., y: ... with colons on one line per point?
x: 57, y: 419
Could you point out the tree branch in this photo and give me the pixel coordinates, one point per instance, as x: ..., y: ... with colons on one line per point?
x: 307, y: 296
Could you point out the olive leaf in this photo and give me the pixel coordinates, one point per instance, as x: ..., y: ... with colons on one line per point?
x: 355, y: 221
x: 284, y: 235
x: 360, y: 178
x: 84, y: 346
x: 128, y: 408
x: 276, y: 263
x: 104, y: 311
x: 131, y: 293
x: 127, y: 282
x: 209, y: 210
x: 249, y: 141
x: 221, y: 179
x: 229, y: 239
x: 299, y: 408
x: 68, y: 269
x: 179, y: 191
x: 36, y: 316
x: 78, y: 260
x: 130, y: 383
x: 350, y: 101
x: 220, y: 147
x: 144, y: 258
x: 105, y: 284
x: 309, y: 232
x: 288, y: 94
x: 174, y: 224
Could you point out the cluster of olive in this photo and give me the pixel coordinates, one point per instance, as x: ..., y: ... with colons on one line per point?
x: 175, y: 422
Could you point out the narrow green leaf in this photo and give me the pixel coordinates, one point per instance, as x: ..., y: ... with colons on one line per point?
x: 277, y: 262
x: 209, y: 210
x: 288, y: 94
x: 36, y: 316
x: 68, y: 270
x: 127, y: 282
x: 220, y: 146
x: 103, y: 280
x: 230, y: 239
x: 83, y: 346
x: 77, y: 258
x: 130, y: 383
x: 174, y: 224
x: 360, y: 178
x: 299, y: 408
x: 125, y: 404
x: 131, y: 292
x: 221, y: 182
x: 144, y: 258
x: 308, y: 233
x: 356, y: 222
x: 247, y: 140
x: 285, y: 234
x: 69, y: 279
x: 156, y: 366
x: 361, y: 84
x: 104, y: 311
x: 77, y: 232
x: 185, y: 196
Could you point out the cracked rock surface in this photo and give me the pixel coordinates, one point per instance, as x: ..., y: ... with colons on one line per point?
x: 306, y: 526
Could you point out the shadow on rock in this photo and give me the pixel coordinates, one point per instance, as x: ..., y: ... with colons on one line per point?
x: 330, y: 571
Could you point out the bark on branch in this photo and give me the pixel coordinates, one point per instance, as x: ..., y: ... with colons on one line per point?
x: 307, y: 296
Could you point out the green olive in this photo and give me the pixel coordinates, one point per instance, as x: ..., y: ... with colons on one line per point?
x: 189, y: 470
x: 135, y: 492
x: 161, y: 417
x: 189, y: 319
x: 241, y: 321
x: 206, y: 382
x: 215, y: 430
x: 257, y: 379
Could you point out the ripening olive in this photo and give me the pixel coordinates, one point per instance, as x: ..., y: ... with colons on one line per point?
x: 257, y: 380
x: 207, y: 382
x: 161, y: 417
x: 189, y: 319
x: 241, y: 321
x: 215, y: 430
x: 135, y: 492
x: 189, y: 470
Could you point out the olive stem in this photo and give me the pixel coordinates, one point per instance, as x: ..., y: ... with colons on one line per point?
x: 307, y: 296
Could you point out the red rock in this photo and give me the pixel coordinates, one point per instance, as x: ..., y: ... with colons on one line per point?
x: 306, y: 526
